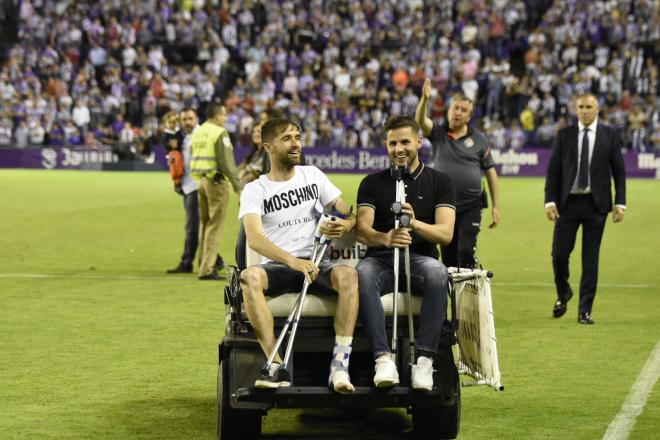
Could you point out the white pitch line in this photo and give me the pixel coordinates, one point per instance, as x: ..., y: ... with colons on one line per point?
x: 38, y: 276
x: 624, y: 422
x: 620, y: 286
x: 175, y: 277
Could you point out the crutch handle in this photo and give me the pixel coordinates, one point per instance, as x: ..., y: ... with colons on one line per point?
x: 318, y: 235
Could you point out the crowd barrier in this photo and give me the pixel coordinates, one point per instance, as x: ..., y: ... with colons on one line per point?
x: 509, y: 162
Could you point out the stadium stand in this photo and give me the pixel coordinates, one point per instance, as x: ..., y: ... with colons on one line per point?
x: 102, y: 73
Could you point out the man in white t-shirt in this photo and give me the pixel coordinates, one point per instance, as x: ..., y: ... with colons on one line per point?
x: 279, y: 212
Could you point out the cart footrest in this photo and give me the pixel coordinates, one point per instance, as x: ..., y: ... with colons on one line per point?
x: 322, y: 397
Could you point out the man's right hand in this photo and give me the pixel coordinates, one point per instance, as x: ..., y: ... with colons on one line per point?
x: 307, y: 267
x: 398, y: 238
x: 426, y: 89
x: 552, y: 213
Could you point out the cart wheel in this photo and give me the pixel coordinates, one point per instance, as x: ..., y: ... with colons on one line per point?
x: 234, y: 423
x: 437, y: 422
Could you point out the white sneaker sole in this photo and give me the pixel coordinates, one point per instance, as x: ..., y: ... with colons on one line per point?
x: 422, y: 387
x: 386, y: 383
x: 270, y: 385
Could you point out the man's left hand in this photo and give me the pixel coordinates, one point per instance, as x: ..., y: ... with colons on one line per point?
x: 335, y: 228
x: 617, y: 214
x: 496, y: 217
x: 408, y: 210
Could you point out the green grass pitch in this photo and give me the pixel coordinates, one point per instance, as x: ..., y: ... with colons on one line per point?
x: 97, y: 342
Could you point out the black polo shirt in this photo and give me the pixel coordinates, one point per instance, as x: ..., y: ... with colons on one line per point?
x: 426, y: 190
x: 462, y: 159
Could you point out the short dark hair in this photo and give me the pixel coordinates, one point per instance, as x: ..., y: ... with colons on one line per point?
x: 401, y: 121
x: 213, y: 110
x: 188, y: 109
x: 274, y: 127
x: 273, y: 113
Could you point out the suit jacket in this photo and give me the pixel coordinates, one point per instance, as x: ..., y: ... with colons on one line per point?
x: 606, y: 163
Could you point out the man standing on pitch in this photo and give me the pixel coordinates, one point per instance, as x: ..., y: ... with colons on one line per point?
x: 462, y: 152
x: 578, y: 192
x: 212, y: 164
x: 189, y: 189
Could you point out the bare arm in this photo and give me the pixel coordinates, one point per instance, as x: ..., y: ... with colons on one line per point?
x: 441, y: 232
x: 263, y: 246
x: 420, y: 114
x: 338, y: 227
x: 494, y: 190
x: 367, y: 235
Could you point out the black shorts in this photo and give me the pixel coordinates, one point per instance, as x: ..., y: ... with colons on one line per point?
x: 283, y: 279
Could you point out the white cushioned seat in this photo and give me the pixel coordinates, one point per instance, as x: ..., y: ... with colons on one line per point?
x: 348, y: 251
x: 325, y: 304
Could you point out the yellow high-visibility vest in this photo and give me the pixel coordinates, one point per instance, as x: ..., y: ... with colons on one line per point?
x: 202, y: 145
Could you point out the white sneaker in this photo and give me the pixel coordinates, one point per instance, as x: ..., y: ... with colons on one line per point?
x: 422, y: 374
x: 386, y: 375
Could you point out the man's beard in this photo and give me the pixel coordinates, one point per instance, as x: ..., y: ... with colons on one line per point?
x: 409, y: 159
x: 288, y: 162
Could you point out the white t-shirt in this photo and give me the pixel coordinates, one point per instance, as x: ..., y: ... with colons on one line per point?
x: 289, y: 209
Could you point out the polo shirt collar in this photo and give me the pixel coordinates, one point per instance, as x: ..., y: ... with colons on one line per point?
x: 418, y: 171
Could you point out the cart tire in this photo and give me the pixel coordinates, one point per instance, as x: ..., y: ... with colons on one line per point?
x: 234, y: 423
x: 437, y: 422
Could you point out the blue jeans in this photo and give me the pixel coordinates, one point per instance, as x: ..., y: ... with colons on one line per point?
x: 428, y: 278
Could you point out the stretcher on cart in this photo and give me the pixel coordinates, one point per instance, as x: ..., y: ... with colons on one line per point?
x: 477, y: 353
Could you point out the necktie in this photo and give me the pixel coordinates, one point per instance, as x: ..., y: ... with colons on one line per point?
x: 583, y: 173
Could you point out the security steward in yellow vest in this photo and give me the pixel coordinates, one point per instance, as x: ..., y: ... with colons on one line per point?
x: 212, y: 164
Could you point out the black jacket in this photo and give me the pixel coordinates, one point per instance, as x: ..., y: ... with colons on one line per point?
x: 606, y: 163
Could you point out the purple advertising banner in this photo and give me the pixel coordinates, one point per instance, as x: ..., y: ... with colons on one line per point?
x: 49, y: 158
x: 522, y: 162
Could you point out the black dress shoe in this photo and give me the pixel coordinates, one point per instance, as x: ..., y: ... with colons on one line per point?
x: 585, y: 318
x: 559, y: 308
x: 213, y: 276
x: 219, y: 263
x: 180, y: 269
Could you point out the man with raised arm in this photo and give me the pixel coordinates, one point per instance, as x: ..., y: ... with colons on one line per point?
x: 462, y: 152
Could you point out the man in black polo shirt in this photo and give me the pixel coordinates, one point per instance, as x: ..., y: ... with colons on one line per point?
x: 430, y: 205
x: 462, y: 152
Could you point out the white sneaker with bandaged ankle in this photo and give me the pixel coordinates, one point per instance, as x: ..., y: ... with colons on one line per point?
x: 339, y: 379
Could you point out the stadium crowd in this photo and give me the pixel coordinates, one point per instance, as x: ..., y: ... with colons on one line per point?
x: 103, y: 73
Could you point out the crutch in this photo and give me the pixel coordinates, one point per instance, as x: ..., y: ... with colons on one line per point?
x: 321, y: 243
x: 401, y: 220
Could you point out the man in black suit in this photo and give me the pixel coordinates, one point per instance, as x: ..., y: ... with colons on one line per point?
x: 585, y: 158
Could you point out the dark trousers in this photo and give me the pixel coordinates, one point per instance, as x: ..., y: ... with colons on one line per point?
x: 462, y: 251
x: 191, y: 206
x: 579, y: 210
x: 241, y: 247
